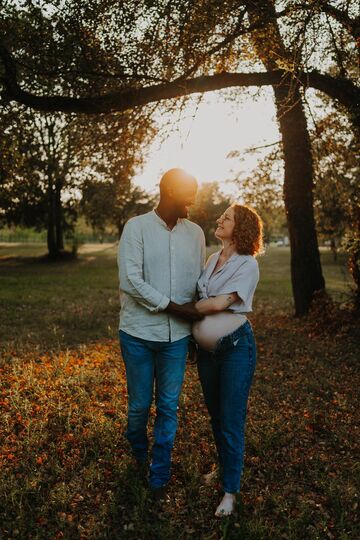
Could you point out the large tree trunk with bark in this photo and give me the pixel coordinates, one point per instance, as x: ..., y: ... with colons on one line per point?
x: 306, y: 273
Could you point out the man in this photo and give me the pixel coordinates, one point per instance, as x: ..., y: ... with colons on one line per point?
x: 161, y: 256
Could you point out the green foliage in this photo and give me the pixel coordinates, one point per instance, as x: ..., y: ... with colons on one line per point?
x: 337, y: 188
x: 90, y: 49
x: 112, y: 44
x: 48, y: 158
x: 210, y: 204
x: 109, y: 204
x: 262, y: 190
x: 337, y: 175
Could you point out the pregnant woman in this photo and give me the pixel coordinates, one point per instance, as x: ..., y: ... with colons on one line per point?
x: 227, y: 352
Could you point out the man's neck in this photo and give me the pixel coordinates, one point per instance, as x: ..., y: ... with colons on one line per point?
x: 166, y: 215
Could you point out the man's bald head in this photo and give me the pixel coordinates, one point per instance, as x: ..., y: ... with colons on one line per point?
x: 178, y: 191
x: 176, y: 179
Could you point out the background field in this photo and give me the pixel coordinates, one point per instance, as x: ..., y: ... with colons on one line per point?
x: 65, y: 469
x: 53, y: 305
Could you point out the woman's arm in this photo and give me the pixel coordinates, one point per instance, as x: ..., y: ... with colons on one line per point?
x: 216, y: 304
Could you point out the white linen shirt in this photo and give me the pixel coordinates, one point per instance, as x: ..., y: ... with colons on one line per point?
x: 239, y: 274
x: 156, y: 265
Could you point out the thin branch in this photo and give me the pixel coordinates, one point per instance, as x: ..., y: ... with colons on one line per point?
x: 352, y: 25
x: 238, y: 31
x: 338, y: 54
x: 255, y: 148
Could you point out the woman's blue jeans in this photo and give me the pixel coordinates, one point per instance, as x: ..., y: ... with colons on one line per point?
x: 146, y: 363
x: 226, y: 376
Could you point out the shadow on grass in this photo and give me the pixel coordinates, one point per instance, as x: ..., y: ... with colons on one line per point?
x: 63, y: 257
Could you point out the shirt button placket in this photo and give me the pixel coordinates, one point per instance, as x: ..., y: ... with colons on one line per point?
x: 172, y: 278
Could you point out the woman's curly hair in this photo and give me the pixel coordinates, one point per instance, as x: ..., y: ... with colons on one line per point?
x: 248, y: 230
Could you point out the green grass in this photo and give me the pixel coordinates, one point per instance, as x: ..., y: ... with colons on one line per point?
x: 65, y: 469
x: 46, y: 304
x: 77, y: 301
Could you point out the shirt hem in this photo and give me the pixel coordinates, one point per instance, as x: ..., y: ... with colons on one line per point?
x: 131, y: 333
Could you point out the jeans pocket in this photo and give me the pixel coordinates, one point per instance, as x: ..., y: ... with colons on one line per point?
x: 225, y: 344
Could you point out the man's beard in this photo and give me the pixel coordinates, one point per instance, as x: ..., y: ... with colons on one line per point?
x: 182, y: 212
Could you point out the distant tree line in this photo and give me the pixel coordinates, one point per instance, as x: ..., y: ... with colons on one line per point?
x: 54, y: 167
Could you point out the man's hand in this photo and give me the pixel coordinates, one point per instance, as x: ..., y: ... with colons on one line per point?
x: 186, y: 311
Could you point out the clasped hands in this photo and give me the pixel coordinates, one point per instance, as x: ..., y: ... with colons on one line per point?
x: 186, y: 311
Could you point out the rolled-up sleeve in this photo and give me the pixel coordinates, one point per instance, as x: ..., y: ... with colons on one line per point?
x: 130, y: 264
x: 243, y: 281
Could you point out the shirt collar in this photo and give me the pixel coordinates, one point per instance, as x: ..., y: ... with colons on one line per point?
x: 180, y: 221
x: 215, y: 260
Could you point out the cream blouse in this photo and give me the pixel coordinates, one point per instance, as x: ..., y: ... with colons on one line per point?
x: 240, y: 274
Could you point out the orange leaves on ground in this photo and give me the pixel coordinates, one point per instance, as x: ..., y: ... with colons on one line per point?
x: 49, y: 396
x: 41, y: 459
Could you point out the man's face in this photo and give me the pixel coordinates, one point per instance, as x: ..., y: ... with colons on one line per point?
x: 183, y: 196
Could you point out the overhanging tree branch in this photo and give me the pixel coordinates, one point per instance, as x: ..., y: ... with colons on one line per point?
x: 342, y: 90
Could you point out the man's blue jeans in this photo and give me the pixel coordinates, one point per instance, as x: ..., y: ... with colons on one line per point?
x: 226, y: 376
x: 147, y: 362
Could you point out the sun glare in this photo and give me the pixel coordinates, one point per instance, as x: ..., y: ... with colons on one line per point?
x: 202, y: 138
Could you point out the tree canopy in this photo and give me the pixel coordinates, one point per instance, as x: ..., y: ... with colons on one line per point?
x: 110, y: 56
x: 47, y: 160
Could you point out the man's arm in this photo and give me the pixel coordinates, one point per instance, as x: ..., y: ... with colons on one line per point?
x: 130, y: 262
x: 186, y: 311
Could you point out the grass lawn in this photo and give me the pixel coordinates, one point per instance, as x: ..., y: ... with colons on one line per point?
x: 65, y: 470
x: 58, y: 305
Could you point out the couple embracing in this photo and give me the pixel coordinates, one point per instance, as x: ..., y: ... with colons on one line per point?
x: 167, y: 295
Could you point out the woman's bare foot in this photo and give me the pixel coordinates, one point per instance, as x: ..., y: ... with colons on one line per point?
x: 227, y: 505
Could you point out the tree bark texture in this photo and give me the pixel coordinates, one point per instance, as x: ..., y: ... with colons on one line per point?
x: 306, y: 273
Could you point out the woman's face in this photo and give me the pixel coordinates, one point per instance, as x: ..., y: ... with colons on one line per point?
x: 226, y: 225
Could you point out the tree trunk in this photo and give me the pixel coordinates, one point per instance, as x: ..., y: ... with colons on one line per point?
x: 306, y: 274
x: 58, y: 218
x: 51, y: 236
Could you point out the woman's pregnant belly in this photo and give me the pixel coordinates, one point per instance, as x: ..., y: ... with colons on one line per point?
x: 211, y: 328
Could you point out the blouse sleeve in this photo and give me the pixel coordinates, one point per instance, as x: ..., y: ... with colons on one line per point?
x: 243, y: 281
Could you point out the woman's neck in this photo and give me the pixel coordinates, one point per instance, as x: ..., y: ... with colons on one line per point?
x: 228, y: 249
